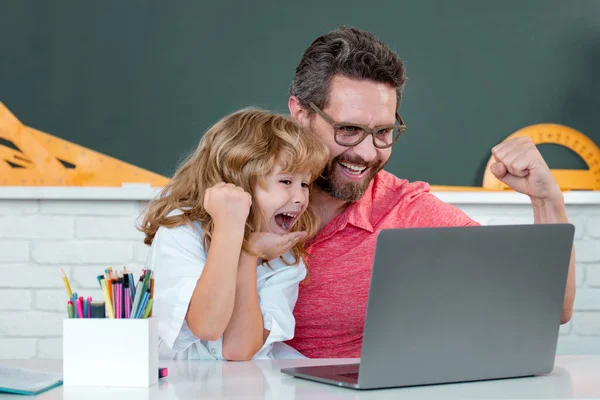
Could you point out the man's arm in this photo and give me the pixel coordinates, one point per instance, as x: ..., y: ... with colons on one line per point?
x: 552, y: 212
x: 520, y: 165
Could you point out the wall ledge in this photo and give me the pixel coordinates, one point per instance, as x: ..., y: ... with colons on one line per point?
x: 510, y: 197
x: 145, y: 192
x: 128, y: 192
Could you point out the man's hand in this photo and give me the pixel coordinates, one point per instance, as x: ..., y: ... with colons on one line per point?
x: 269, y: 246
x: 520, y: 165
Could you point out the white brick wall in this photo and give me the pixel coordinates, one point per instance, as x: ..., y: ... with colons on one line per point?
x: 13, y: 251
x: 11, y: 348
x: 83, y: 237
x: 38, y: 238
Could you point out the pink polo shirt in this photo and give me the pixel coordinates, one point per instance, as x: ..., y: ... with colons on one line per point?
x: 330, y: 311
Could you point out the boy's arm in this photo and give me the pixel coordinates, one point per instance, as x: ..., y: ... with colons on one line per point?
x: 213, y: 298
x: 278, y: 295
x: 212, y: 302
x: 245, y: 334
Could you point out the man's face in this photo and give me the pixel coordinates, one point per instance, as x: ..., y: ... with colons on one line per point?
x: 351, y: 169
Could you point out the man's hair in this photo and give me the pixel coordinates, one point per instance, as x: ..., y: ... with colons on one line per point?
x: 243, y: 148
x: 350, y: 52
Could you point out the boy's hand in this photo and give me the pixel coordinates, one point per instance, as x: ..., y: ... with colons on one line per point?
x: 227, y: 204
x: 270, y: 246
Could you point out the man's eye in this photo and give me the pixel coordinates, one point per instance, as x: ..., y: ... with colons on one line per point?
x: 350, y: 130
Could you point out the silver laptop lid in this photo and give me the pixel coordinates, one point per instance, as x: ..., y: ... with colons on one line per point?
x: 467, y: 303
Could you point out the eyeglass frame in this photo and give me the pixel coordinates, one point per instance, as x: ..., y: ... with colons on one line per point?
x: 366, y: 130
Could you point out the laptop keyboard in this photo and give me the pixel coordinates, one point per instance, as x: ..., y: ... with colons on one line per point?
x: 353, y: 375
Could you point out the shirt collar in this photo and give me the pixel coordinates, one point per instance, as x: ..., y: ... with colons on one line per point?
x: 359, y: 212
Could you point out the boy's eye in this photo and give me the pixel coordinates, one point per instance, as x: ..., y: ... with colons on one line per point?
x: 286, y: 181
x: 305, y: 185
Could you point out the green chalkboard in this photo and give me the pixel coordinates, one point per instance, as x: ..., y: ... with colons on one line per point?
x: 142, y: 80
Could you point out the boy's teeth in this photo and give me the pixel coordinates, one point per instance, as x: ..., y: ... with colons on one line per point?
x: 286, y: 224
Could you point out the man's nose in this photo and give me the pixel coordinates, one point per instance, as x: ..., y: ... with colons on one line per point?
x: 366, y: 150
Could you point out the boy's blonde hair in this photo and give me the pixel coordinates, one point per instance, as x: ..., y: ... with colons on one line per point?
x: 242, y: 148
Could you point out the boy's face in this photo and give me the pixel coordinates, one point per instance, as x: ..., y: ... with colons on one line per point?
x: 351, y: 169
x: 283, y: 200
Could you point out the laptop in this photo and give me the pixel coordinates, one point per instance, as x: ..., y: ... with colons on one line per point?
x: 459, y: 304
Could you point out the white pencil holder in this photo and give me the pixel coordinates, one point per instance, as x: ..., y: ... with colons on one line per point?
x: 110, y: 352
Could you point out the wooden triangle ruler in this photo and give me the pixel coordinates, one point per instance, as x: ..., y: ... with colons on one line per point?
x: 29, y: 157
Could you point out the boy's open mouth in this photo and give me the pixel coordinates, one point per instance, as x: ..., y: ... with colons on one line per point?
x: 286, y: 220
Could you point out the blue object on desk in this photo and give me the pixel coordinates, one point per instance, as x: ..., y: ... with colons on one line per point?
x: 27, y: 381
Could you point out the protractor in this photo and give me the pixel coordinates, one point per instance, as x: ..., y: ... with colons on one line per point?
x: 568, y: 179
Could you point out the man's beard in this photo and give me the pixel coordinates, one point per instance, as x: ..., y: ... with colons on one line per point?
x: 341, y: 188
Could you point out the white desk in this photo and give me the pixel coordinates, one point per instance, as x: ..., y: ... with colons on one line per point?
x: 572, y: 377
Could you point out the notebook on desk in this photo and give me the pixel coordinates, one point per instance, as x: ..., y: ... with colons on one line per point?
x: 27, y: 381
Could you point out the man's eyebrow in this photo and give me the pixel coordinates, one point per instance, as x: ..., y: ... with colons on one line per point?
x: 345, y: 122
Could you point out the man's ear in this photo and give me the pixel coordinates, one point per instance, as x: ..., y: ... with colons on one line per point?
x: 297, y: 112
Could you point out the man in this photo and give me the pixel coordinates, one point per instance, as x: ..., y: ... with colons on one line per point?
x: 350, y: 78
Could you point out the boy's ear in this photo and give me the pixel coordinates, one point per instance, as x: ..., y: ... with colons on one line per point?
x: 297, y: 112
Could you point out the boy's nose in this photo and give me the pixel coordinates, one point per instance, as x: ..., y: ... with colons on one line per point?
x: 299, y: 196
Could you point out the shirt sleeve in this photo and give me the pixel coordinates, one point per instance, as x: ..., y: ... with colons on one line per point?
x: 426, y: 210
x: 277, y: 293
x: 177, y: 258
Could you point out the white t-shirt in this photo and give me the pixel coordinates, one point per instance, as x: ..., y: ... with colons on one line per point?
x: 177, y: 258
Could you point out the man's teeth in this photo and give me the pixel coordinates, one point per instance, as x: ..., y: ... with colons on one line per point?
x: 353, y: 168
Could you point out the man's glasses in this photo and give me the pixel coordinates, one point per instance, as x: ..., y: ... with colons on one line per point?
x: 347, y: 134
